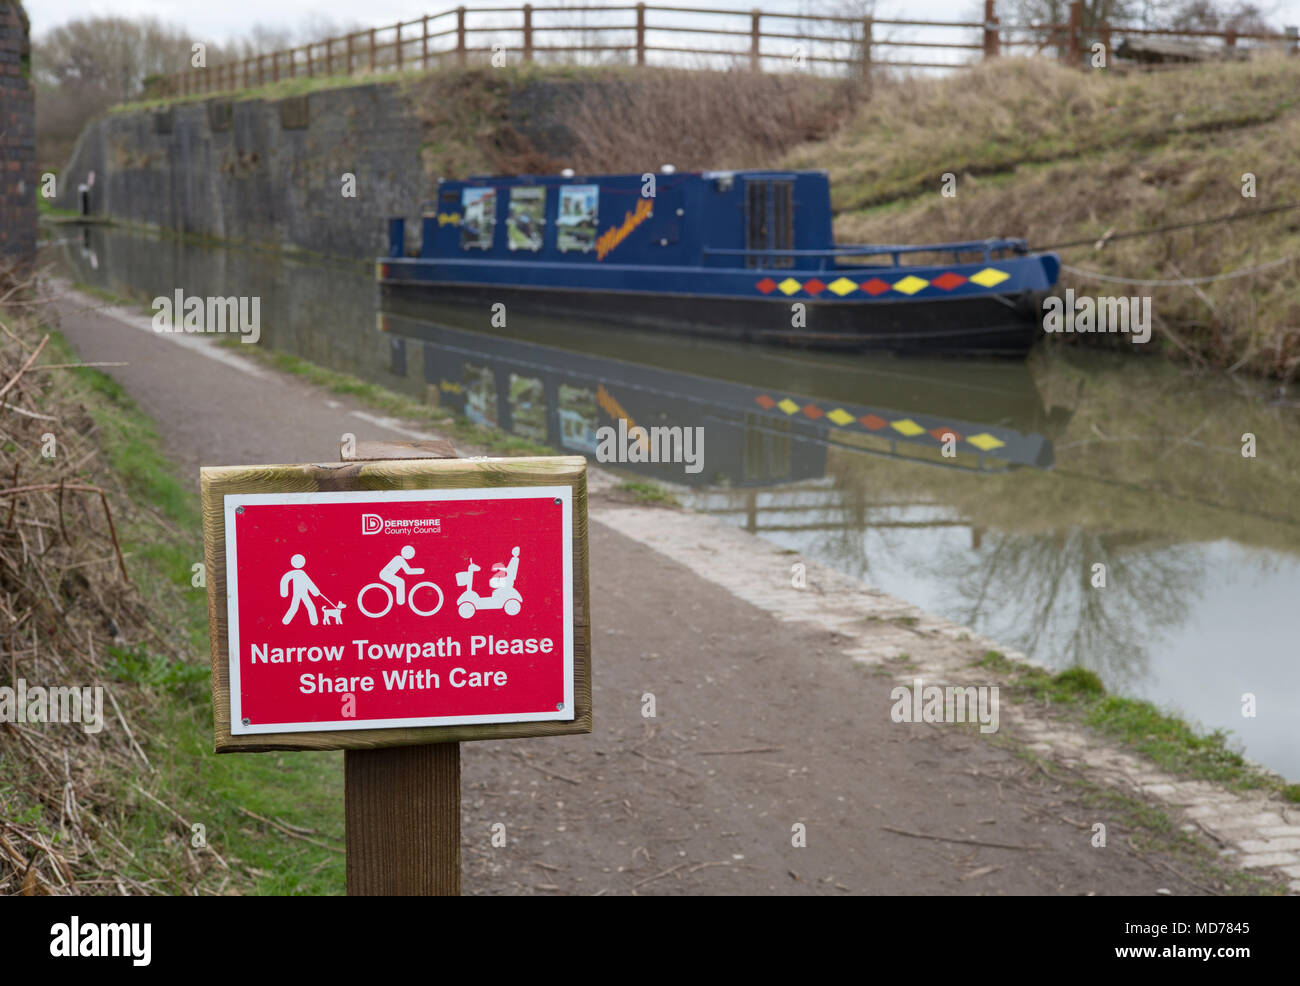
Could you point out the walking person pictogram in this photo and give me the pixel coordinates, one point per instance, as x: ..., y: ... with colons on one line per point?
x: 303, y: 589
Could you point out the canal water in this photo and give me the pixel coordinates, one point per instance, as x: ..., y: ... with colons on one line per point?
x: 1071, y: 468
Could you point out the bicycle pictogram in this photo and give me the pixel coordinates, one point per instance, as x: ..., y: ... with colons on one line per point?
x: 393, y: 586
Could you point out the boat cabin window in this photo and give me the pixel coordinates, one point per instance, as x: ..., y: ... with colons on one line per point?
x: 769, y: 220
x: 576, y: 222
x: 478, y: 207
x: 527, y: 219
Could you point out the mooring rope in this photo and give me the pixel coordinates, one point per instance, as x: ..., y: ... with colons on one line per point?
x: 1229, y: 218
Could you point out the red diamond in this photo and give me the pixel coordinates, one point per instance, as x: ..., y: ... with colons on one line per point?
x: 874, y: 422
x: 813, y: 411
x: 814, y: 287
x: 941, y: 434
x: 874, y: 286
x: 948, y: 281
x: 765, y: 402
x: 766, y: 285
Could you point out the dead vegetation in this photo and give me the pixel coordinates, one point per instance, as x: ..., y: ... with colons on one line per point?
x: 1057, y: 156
x: 70, y: 618
x: 593, y: 120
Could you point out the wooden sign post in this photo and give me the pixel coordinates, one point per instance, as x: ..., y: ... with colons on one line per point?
x: 346, y: 613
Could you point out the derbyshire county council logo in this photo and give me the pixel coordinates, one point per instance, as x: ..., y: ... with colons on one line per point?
x: 375, y: 524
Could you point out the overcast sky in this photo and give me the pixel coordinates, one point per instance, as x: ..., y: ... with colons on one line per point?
x: 222, y: 20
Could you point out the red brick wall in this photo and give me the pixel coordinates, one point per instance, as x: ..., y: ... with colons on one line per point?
x: 17, y: 140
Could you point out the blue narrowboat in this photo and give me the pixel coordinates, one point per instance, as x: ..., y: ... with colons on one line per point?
x: 735, y: 254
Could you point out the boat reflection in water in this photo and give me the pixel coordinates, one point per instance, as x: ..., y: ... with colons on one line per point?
x: 767, y: 417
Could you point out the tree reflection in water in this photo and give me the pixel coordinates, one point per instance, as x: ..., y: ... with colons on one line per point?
x: 1035, y: 591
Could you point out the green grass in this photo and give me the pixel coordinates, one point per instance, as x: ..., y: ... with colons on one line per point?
x: 283, y: 89
x: 162, y: 539
x: 649, y: 493
x: 44, y: 208
x: 1170, y: 742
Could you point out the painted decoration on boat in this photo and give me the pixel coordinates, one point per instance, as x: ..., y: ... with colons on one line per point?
x: 615, y: 235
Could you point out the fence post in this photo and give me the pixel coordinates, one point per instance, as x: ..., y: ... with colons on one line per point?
x: 1074, y: 52
x: 372, y: 49
x: 310, y: 73
x: 1230, y: 40
x: 460, y: 36
x: 261, y: 74
x: 641, y: 34
x: 424, y: 44
x: 398, y: 46
x: 1104, y: 30
x: 865, y: 67
x: 992, y: 40
x: 349, y: 71
x: 275, y: 66
x: 528, y: 32
x: 1293, y: 36
x: 755, y: 63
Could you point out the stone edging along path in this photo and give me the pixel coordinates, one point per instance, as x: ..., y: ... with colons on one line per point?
x: 1254, y: 831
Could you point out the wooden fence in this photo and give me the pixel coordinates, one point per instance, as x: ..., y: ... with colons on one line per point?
x: 634, y: 35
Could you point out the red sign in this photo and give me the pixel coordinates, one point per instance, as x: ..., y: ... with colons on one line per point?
x: 365, y: 610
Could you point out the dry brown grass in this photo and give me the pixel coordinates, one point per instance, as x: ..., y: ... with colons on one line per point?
x: 1114, y: 154
x: 66, y: 611
x: 618, y: 120
x: 1009, y: 113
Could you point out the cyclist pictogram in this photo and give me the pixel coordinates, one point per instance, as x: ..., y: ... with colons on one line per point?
x: 393, y: 587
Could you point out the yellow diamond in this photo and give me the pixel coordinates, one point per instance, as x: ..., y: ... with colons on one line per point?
x: 907, y: 427
x: 840, y: 416
x: 789, y: 286
x: 788, y: 406
x: 984, y: 441
x: 910, y: 284
x: 989, y: 277
x: 842, y: 286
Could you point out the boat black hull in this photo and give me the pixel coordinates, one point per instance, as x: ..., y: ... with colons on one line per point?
x: 1002, y: 325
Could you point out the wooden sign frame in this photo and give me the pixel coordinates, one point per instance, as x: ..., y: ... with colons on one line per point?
x: 368, y: 475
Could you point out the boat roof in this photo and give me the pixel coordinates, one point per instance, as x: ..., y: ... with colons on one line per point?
x: 634, y: 176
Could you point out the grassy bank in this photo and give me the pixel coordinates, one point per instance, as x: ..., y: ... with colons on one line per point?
x: 151, y: 808
x: 1168, y: 741
x: 1054, y: 156
x: 224, y: 794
